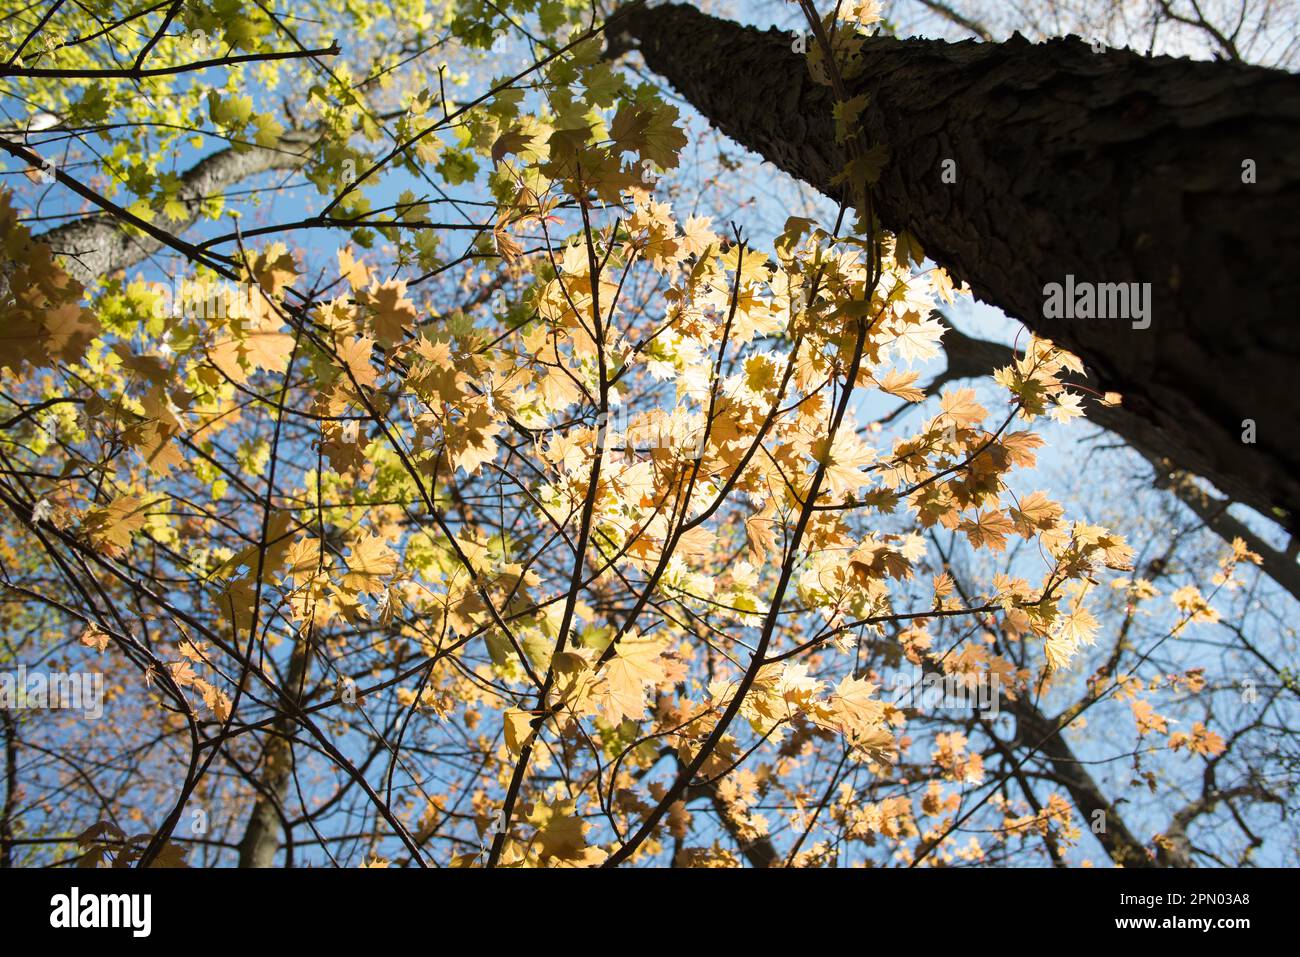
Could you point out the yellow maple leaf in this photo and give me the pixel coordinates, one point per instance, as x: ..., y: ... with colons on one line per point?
x: 354, y: 353
x: 272, y: 268
x: 989, y: 530
x: 304, y: 559
x: 111, y: 526
x: 636, y: 665
x: 1036, y: 511
x: 369, y: 560
x: 960, y: 407
x: 394, y: 314
x: 899, y: 383
x: 854, y: 708
x: 1147, y: 718
x: 519, y: 725
x: 354, y: 270
x: 94, y: 637
x: 561, y: 836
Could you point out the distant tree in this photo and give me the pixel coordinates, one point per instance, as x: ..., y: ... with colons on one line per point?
x: 425, y: 490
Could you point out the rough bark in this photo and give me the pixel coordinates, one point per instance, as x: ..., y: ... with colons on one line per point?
x: 1110, y: 167
x: 970, y: 358
x: 97, y: 245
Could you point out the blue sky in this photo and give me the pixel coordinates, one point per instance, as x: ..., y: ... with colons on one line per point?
x: 758, y: 197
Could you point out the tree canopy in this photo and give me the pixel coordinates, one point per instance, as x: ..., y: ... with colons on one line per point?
x: 447, y: 450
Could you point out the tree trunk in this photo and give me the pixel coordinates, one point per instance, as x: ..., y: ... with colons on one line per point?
x: 11, y: 789
x: 97, y: 246
x: 1109, y: 167
x: 976, y: 358
x: 261, y: 840
x: 1036, y: 730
